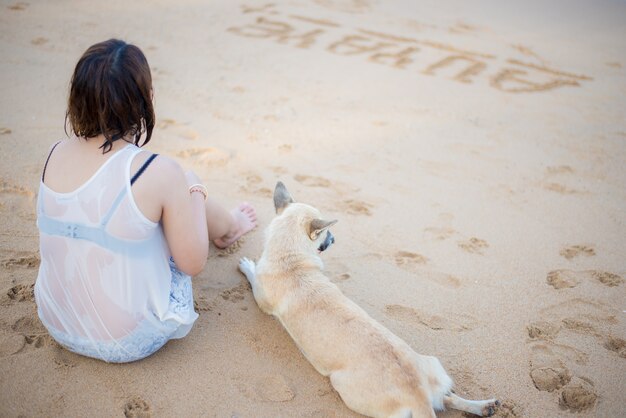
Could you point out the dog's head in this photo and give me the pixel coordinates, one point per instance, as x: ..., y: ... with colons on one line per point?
x: 302, y: 220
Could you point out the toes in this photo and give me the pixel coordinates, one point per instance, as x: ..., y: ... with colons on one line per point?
x: 245, y: 207
x: 244, y: 265
x: 248, y: 210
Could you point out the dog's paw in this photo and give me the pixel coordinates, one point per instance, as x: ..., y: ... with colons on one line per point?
x: 246, y: 266
x: 490, y: 408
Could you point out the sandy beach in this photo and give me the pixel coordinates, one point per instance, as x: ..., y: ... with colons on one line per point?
x: 473, y: 152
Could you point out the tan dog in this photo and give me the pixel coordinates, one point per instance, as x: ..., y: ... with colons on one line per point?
x: 375, y: 372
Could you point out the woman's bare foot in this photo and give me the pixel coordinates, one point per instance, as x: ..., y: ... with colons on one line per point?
x: 244, y: 220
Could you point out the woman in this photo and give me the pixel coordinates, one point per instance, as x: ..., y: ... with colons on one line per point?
x: 121, y: 230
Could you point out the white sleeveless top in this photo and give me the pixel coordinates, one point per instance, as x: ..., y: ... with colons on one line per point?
x: 105, y: 271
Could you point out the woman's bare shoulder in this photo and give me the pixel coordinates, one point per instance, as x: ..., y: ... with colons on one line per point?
x: 162, y: 169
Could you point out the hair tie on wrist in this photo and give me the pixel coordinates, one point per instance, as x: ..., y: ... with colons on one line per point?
x: 200, y: 188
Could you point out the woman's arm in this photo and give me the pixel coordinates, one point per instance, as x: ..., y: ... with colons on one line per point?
x: 182, y: 214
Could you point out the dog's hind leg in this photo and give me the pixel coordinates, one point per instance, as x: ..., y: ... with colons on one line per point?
x: 481, y: 408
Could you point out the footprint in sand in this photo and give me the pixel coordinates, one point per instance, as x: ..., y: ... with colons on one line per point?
x: 285, y: 148
x: 584, y: 309
x: 64, y: 359
x: 337, y: 270
x: 323, y: 413
x: 137, y: 408
x: 407, y: 259
x: 351, y: 206
x: 6, y: 187
x: 580, y: 326
x: 19, y: 6
x: 549, y: 373
x: 451, y: 322
x: 30, y: 334
x: 606, y: 278
x: 312, y: 181
x: 591, y: 325
x: 440, y: 234
x: 560, y: 169
x: 411, y: 262
x: 33, y: 332
x: 582, y: 317
x: 30, y: 261
x: 202, y: 304
x: 253, y: 179
x: 179, y: 128
x: 563, y: 279
x: 577, y: 251
x: 22, y: 293
x: 579, y: 395
x: 279, y: 171
x: 252, y: 186
x: 473, y: 245
x: 38, y: 341
x: 274, y: 388
x: 29, y: 325
x: 616, y: 344
x: 206, y: 156
x: 18, y: 201
x: 508, y: 409
x: 548, y: 379
x: 232, y: 248
x: 553, y: 346
x: 12, y: 344
x: 356, y: 207
x: 341, y: 277
x: 542, y: 330
x: 157, y: 74
x: 237, y: 293
x: 18, y: 293
x: 264, y: 192
x: 563, y: 352
x: 560, y: 188
x: 554, y: 178
x: 39, y: 41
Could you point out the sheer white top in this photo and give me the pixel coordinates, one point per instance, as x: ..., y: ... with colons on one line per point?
x: 105, y: 268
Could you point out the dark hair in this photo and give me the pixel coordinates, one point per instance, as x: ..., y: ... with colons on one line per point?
x: 111, y: 94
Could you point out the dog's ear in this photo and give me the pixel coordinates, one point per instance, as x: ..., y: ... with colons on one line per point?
x: 282, y: 198
x: 317, y: 226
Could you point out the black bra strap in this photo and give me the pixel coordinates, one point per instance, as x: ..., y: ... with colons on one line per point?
x: 143, y: 168
x: 43, y: 174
